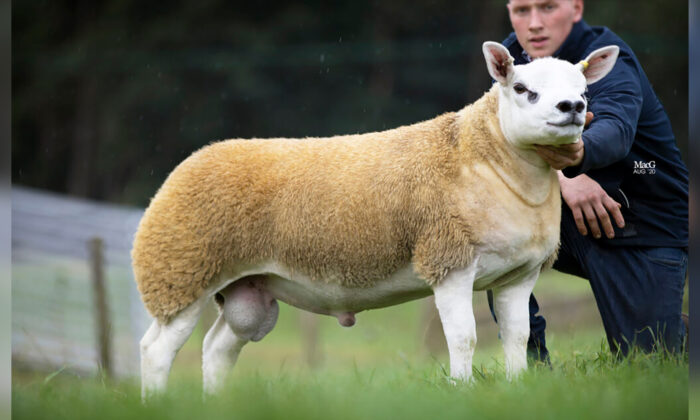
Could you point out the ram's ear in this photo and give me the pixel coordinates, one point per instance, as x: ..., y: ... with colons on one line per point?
x: 498, y: 61
x: 599, y: 63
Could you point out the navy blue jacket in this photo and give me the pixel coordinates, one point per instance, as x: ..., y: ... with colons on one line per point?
x: 629, y: 148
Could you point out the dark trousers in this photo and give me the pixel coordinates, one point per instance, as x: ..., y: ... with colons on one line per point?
x: 638, y: 290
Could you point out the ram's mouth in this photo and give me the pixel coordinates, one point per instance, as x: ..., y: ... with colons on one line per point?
x: 573, y: 120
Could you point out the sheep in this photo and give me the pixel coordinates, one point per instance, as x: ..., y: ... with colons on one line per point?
x: 340, y: 225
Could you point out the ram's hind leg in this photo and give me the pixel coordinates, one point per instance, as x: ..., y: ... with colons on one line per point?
x: 159, y: 346
x: 219, y: 354
x: 248, y: 313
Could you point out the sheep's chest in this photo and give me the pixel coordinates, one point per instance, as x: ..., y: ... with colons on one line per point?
x: 515, y: 235
x: 516, y: 247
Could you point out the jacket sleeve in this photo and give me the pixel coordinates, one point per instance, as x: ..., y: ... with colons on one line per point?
x: 616, y: 103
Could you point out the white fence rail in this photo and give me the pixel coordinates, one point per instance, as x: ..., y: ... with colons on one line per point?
x: 53, y: 304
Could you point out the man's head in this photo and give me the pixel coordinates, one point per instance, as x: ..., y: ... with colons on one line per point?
x: 542, y: 26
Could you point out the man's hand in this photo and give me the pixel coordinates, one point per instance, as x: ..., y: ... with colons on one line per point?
x: 587, y: 200
x: 560, y: 157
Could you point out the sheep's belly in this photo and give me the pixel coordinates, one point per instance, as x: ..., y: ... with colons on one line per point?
x: 296, y: 289
x: 328, y: 298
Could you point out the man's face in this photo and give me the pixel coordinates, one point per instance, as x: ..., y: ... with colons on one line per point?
x: 542, y: 26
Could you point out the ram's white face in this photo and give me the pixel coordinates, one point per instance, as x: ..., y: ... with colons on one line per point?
x: 544, y: 102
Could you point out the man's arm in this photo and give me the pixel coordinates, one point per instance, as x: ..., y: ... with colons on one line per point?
x: 616, y: 102
x: 590, y: 203
x: 585, y: 197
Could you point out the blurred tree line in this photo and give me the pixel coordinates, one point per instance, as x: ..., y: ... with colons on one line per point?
x: 110, y: 95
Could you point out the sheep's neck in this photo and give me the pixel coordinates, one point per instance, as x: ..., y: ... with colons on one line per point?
x: 482, y: 140
x: 523, y: 171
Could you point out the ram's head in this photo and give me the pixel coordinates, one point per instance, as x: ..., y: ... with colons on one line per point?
x: 544, y: 101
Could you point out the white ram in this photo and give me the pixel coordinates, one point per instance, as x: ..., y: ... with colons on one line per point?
x: 344, y: 224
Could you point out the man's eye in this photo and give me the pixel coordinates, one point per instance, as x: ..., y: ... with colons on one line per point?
x: 519, y: 88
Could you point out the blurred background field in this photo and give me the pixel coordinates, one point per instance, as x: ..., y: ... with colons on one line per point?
x: 109, y: 95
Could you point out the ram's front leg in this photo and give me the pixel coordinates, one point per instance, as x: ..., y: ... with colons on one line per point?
x: 453, y: 298
x: 511, y: 307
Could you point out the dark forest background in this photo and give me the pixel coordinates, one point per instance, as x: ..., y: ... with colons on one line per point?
x: 110, y: 95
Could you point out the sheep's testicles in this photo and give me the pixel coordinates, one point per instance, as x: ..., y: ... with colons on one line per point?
x: 249, y: 309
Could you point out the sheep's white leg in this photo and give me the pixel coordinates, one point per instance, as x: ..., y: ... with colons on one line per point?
x: 248, y: 313
x: 511, y: 307
x: 159, y: 346
x: 219, y: 354
x: 453, y: 298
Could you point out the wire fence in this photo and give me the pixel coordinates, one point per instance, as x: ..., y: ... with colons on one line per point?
x: 54, y: 304
x: 74, y: 309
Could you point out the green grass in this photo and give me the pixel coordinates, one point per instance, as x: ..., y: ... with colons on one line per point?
x: 581, y: 384
x: 380, y: 369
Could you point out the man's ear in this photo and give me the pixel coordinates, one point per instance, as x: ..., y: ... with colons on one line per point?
x: 599, y: 63
x: 498, y: 61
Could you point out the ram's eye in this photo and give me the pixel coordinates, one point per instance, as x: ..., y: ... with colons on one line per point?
x: 519, y: 88
x: 532, y: 97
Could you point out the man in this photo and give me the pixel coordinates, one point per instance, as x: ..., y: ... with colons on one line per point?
x: 626, y: 169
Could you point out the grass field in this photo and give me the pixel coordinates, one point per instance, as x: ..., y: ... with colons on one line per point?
x: 584, y: 384
x: 380, y: 369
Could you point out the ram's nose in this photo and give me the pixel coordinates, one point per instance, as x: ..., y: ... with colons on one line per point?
x: 569, y: 106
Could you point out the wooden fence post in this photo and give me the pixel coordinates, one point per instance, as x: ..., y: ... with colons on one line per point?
x: 102, y: 323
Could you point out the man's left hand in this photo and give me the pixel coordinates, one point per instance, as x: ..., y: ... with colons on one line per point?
x: 560, y: 157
